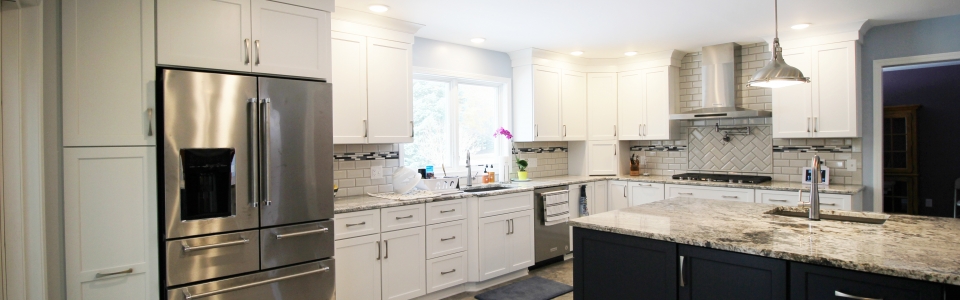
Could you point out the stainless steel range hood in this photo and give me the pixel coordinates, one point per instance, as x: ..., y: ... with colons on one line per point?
x: 718, y: 74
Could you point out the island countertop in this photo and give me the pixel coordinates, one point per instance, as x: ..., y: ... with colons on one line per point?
x: 915, y: 247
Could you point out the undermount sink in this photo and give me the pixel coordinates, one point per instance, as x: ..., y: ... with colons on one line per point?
x: 831, y: 215
x: 488, y: 189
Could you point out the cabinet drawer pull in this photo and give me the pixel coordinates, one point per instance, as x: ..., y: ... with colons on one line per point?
x: 188, y: 248
x: 446, y: 211
x: 778, y: 200
x: 379, y: 251
x: 386, y: 249
x: 447, y: 239
x: 448, y: 272
x: 315, y: 231
x: 127, y: 271
x: 848, y: 296
x: 407, y: 217
x: 681, y: 271
x: 729, y: 197
x: 828, y: 204
x: 688, y: 194
x: 357, y: 224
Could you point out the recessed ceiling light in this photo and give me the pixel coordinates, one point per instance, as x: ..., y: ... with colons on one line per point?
x: 378, y: 8
x: 478, y: 40
x: 576, y: 53
x: 800, y: 26
x: 631, y: 53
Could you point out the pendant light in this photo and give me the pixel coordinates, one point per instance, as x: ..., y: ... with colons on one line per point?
x: 777, y: 73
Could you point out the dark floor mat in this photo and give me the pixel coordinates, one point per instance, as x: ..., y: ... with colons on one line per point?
x: 533, y: 288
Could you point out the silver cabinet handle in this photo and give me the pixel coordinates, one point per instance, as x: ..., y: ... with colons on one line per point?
x: 615, y: 149
x: 640, y: 129
x: 188, y: 248
x: 407, y: 217
x: 246, y: 54
x: 315, y: 231
x: 778, y: 200
x: 411, y: 129
x: 816, y: 124
x: 644, y: 129
x: 101, y: 275
x: 564, y: 130
x: 624, y: 191
x: 845, y: 295
x: 536, y: 131
x: 257, y: 44
x: 188, y: 296
x: 386, y: 249
x: 447, y: 239
x: 446, y: 211
x: 614, y: 130
x: 365, y: 130
x: 253, y: 115
x: 681, y: 271
x: 149, y: 122
x: 448, y: 272
x: 379, y: 250
x: 688, y: 194
x: 265, y: 151
x: 729, y: 197
x: 357, y: 224
x: 828, y: 204
x: 808, y: 124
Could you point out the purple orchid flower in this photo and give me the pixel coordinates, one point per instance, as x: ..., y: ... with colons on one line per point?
x: 505, y: 133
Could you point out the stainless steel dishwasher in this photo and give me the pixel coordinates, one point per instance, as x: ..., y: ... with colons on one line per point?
x: 549, y: 241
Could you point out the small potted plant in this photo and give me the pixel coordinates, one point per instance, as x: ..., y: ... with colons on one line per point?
x: 521, y: 163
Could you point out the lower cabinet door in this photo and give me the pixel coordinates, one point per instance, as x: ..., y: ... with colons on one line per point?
x: 492, y: 244
x: 616, y: 266
x: 520, y: 240
x: 618, y: 196
x: 110, y: 223
x: 715, y: 274
x: 404, y: 264
x: 358, y: 262
x: 817, y: 282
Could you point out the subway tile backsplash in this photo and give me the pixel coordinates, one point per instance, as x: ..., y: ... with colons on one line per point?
x: 351, y: 168
x: 551, y: 158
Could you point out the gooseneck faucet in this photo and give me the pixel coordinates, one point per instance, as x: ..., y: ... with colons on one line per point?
x: 469, y: 171
x: 814, y: 190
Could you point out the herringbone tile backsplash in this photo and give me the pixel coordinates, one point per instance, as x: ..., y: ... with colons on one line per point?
x: 743, y: 153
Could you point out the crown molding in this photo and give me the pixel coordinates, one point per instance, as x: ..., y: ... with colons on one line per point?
x: 853, y: 31
x: 534, y: 56
x: 356, y: 16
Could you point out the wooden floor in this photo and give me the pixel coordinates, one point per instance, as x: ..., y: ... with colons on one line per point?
x: 561, y: 272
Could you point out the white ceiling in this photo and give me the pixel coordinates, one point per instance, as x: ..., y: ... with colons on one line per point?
x: 608, y: 28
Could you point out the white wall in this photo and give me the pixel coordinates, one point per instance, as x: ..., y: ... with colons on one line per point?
x: 435, y: 54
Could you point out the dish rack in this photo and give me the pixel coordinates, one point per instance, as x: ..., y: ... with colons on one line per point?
x: 439, y: 185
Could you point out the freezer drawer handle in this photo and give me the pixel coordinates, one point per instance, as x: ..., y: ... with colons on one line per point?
x: 407, y: 217
x: 188, y: 248
x: 447, y: 239
x: 127, y: 271
x: 448, y: 272
x: 357, y: 224
x: 315, y: 231
x: 188, y: 296
x: 845, y: 295
x: 446, y: 211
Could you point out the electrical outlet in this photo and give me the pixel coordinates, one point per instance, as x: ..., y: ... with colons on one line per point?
x: 376, y: 172
x: 531, y: 162
x: 929, y: 202
x: 851, y: 164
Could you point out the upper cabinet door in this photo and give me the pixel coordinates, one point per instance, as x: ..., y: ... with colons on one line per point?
x: 210, y: 34
x: 659, y: 92
x: 350, y: 92
x: 290, y: 40
x: 630, y: 107
x: 110, y: 222
x: 108, y: 71
x: 791, y: 105
x: 602, y: 106
x: 389, y: 96
x: 602, y: 158
x: 836, y: 100
x: 573, y: 104
x: 546, y: 104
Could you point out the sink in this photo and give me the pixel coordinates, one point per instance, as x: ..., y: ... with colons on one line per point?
x: 488, y: 189
x: 831, y: 215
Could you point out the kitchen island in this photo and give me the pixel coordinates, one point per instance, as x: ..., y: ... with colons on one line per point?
x: 686, y: 248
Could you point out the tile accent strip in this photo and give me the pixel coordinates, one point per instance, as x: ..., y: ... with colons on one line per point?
x: 542, y: 150
x: 366, y: 156
x: 658, y: 148
x: 831, y: 149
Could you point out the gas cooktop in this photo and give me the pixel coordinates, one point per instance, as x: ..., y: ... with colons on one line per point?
x: 722, y: 178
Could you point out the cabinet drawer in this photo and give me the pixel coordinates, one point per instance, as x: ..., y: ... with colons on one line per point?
x: 827, y: 201
x: 446, y: 238
x: 445, y: 211
x: 715, y: 193
x: 496, y: 205
x: 210, y: 257
x: 816, y: 282
x: 288, y: 245
x: 358, y: 223
x: 446, y: 271
x: 401, y: 217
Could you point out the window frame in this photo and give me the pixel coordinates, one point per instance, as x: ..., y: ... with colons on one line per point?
x: 456, y: 165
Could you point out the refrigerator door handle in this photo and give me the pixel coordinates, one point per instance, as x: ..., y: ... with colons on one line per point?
x: 265, y: 151
x: 252, y: 142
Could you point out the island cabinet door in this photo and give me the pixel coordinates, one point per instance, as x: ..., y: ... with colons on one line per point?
x: 614, y: 266
x: 817, y: 282
x: 717, y: 274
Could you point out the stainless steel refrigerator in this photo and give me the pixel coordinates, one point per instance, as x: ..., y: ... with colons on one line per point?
x: 247, y: 195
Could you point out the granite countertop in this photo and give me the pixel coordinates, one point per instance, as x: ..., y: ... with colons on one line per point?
x: 365, y: 202
x: 915, y: 247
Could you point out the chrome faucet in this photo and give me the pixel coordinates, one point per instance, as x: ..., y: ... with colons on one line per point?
x: 814, y: 202
x: 469, y: 171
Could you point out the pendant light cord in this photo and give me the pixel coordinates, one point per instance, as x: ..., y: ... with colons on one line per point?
x: 776, y: 21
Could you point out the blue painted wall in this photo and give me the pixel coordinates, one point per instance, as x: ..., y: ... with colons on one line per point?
x: 922, y: 37
x: 435, y: 54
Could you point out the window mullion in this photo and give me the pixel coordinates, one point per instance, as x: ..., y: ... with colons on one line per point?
x: 454, y: 117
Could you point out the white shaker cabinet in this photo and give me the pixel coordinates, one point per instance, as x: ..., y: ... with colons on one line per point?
x: 350, y: 95
x: 573, y: 105
x: 643, y: 192
x: 618, y: 195
x: 110, y: 223
x: 630, y: 110
x: 645, y: 100
x: 403, y: 264
x: 828, y: 107
x: 520, y: 240
x: 602, y: 106
x: 358, y: 267
x: 599, y: 202
x: 290, y: 40
x: 108, y: 70
x: 536, y: 103
x: 603, y: 157
x: 389, y: 95
x: 505, y: 243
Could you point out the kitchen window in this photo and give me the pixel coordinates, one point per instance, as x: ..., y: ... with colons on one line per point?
x: 453, y: 115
